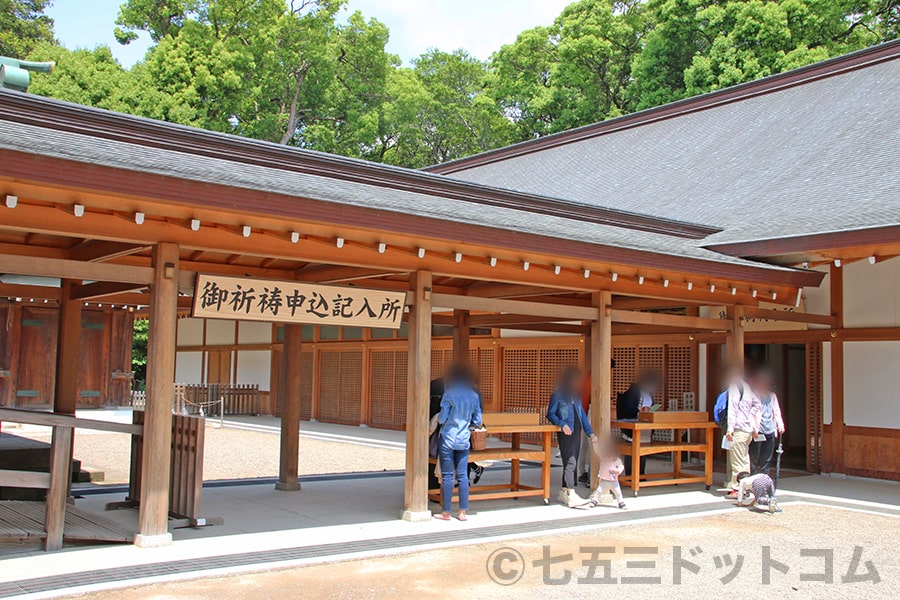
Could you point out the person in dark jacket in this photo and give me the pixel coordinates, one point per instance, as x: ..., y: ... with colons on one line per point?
x: 637, y: 398
x: 567, y: 413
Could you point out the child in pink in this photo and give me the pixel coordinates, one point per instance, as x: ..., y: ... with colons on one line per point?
x: 611, y: 467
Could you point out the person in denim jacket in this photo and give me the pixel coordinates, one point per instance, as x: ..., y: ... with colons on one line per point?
x: 567, y: 413
x: 460, y: 410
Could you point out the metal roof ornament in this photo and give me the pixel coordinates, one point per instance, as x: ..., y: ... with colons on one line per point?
x: 14, y: 73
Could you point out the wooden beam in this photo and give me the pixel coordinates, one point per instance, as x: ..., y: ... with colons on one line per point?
x: 563, y: 313
x: 836, y: 297
x: 73, y: 269
x: 101, y: 289
x: 58, y: 490
x: 504, y: 320
x: 336, y: 274
x: 601, y: 370
x: 291, y: 390
x: 783, y: 315
x: 24, y: 479
x: 99, y: 250
x: 734, y: 339
x: 509, y: 290
x: 634, y: 303
x: 461, y: 336
x: 154, y: 510
x: 666, y: 320
x: 415, y: 493
x: 552, y: 328
x: 30, y: 417
x: 16, y: 290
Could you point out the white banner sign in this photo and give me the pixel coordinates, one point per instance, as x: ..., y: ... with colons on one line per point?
x: 224, y: 297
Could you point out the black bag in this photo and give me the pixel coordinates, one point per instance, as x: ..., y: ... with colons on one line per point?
x: 434, y: 442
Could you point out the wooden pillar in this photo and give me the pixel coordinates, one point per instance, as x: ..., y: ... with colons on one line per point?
x: 836, y: 285
x: 461, y: 336
x: 415, y: 494
x: 65, y: 397
x: 58, y: 492
x: 154, y: 511
x: 600, y: 353
x: 734, y: 340
x: 290, y: 390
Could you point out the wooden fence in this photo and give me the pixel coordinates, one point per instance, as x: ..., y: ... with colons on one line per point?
x: 208, y: 399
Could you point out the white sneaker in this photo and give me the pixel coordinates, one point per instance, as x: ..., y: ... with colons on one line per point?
x: 574, y: 500
x: 563, y: 497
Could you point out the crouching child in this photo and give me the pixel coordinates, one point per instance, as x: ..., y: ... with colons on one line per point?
x: 611, y: 467
x: 759, y: 489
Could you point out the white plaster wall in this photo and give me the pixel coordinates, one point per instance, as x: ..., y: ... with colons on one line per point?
x: 220, y: 331
x: 190, y: 332
x: 254, y: 366
x: 254, y: 332
x: 872, y: 294
x: 826, y: 383
x: 818, y: 299
x: 189, y: 367
x: 872, y: 384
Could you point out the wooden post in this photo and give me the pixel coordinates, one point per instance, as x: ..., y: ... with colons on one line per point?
x: 461, y: 336
x: 836, y: 285
x: 154, y: 511
x: 60, y: 474
x: 290, y: 408
x: 601, y: 369
x: 734, y: 339
x: 415, y: 496
x: 67, y: 351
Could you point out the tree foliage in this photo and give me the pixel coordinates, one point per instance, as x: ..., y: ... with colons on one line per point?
x: 23, y: 25
x: 300, y: 72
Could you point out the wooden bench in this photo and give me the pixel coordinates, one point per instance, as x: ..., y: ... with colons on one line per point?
x: 513, y: 424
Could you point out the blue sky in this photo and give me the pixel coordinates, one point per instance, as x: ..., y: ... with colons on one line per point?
x: 479, y: 26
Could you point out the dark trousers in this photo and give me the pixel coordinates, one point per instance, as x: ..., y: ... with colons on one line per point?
x: 761, y: 455
x: 569, y: 445
x: 626, y: 460
x: 454, y: 460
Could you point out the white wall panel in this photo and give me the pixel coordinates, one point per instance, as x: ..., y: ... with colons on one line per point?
x: 872, y: 384
x: 872, y: 294
x: 189, y: 367
x: 254, y: 332
x: 190, y: 332
x: 254, y: 366
x: 220, y: 331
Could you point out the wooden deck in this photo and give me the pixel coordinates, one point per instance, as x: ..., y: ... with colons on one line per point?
x: 21, y: 521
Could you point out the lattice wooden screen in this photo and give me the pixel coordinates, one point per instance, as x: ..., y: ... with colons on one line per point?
x: 677, y: 376
x: 306, y: 381
x: 340, y: 386
x: 814, y: 416
x: 483, y: 360
x: 440, y: 360
x: 625, y: 372
x: 388, y: 393
x: 651, y: 358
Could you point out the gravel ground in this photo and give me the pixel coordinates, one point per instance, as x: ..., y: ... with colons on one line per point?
x: 235, y: 454
x: 462, y: 570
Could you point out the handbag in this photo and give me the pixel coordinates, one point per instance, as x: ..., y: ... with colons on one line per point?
x: 478, y: 439
x: 434, y: 442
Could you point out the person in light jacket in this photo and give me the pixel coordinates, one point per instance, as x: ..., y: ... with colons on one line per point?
x: 460, y: 410
x: 567, y: 413
x: 771, y: 424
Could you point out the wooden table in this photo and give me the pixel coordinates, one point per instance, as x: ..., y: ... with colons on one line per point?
x: 637, y: 449
x: 514, y: 425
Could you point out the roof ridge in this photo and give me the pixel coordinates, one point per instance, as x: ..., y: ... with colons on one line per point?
x: 773, y: 83
x: 49, y: 113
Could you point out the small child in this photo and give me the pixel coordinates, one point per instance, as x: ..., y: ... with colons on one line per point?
x: 611, y: 467
x: 760, y: 487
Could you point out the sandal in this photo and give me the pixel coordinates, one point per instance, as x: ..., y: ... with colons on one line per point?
x: 461, y: 516
x: 442, y: 516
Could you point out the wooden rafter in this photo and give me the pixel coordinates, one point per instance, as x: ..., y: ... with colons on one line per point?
x: 99, y: 251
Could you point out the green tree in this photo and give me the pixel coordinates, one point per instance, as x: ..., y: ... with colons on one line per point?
x: 23, y: 25
x: 697, y: 46
x: 573, y: 73
x: 139, y: 353
x: 93, y: 78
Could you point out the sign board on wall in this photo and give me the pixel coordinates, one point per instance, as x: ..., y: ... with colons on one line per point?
x: 760, y: 324
x: 247, y: 299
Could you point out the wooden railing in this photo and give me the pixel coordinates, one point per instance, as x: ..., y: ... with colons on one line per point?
x: 57, y: 481
x: 208, y: 399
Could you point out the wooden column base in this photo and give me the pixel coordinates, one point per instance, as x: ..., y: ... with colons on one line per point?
x: 153, y: 541
x: 287, y: 486
x: 417, y: 516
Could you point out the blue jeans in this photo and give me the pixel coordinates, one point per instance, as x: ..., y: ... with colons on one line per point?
x: 454, y: 460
